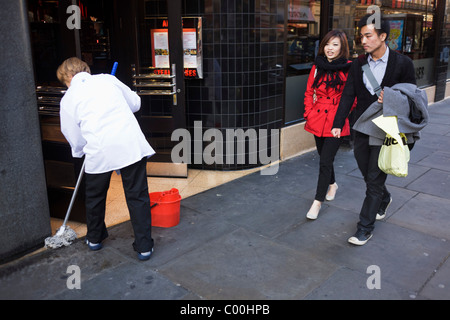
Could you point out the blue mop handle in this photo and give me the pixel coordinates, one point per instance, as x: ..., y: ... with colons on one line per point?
x: 114, y: 68
x: 113, y: 72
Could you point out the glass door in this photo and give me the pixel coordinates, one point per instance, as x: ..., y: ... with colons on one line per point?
x: 158, y: 77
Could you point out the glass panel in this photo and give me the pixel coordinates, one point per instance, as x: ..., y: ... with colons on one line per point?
x: 446, y: 34
x: 344, y: 19
x: 412, y: 32
x: 47, y: 42
x: 52, y: 41
x: 302, y: 46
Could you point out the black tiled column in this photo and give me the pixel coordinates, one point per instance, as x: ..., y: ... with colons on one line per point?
x: 243, y: 48
x: 24, y: 213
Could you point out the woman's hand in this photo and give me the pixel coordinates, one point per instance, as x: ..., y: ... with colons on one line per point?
x: 336, y: 132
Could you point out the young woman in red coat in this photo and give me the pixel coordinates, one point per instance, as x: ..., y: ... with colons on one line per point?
x: 323, y: 92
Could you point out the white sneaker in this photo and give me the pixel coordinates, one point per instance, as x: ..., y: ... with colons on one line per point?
x: 360, y: 238
x: 331, y: 192
x: 382, y: 211
x: 313, y: 212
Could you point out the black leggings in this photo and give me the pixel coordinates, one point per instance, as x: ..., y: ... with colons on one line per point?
x: 327, y: 147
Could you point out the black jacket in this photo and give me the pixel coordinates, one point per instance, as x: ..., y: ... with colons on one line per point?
x: 399, y: 69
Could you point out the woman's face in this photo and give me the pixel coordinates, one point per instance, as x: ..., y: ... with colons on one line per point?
x: 332, y: 49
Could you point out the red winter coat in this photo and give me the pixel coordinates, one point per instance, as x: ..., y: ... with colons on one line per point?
x: 320, y: 112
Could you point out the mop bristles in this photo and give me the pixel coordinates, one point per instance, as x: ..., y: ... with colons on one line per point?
x: 64, y: 237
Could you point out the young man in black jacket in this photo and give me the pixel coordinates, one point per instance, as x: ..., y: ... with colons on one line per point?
x: 389, y: 68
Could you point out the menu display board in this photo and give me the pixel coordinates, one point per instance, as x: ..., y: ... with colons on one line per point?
x: 192, y: 50
x: 160, y: 48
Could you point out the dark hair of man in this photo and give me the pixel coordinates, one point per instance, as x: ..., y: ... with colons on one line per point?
x: 385, y: 27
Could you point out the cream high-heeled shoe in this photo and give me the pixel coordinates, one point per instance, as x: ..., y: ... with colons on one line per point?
x: 331, y: 192
x: 313, y: 212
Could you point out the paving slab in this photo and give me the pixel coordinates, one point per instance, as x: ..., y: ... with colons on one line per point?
x: 414, y: 171
x: 350, y: 194
x: 426, y: 214
x: 338, y: 287
x: 126, y: 282
x: 437, y: 160
x: 194, y: 229
x: 440, y: 107
x: 434, y: 182
x: 406, y: 257
x: 327, y: 237
x: 420, y: 151
x: 435, y: 142
x: 438, y: 288
x: 45, y: 274
x: 437, y: 128
x: 439, y: 116
x: 243, y: 265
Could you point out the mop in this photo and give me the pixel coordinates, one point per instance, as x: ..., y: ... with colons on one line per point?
x: 65, y: 234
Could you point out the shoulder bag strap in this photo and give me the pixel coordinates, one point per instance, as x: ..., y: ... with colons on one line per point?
x: 376, y: 87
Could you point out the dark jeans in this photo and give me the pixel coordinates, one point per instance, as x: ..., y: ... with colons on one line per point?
x: 327, y: 147
x: 376, y: 192
x: 134, y: 181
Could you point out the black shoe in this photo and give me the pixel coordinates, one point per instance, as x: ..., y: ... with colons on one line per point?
x: 360, y: 237
x: 144, y: 256
x: 94, y: 246
x: 382, y: 211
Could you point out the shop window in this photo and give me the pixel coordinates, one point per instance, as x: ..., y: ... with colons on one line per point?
x: 46, y: 39
x: 343, y: 17
x: 412, y: 32
x: 302, y: 46
x: 446, y: 36
x: 53, y: 42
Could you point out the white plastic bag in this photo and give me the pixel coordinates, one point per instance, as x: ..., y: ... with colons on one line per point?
x: 394, y: 157
x: 394, y: 154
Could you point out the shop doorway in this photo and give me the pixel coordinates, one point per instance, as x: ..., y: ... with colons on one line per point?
x: 109, y: 31
x: 60, y: 30
x: 168, y: 51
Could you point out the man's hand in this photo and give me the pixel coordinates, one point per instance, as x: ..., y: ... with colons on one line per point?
x: 380, y: 98
x: 336, y: 132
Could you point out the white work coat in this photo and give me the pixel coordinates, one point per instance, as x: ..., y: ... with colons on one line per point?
x: 97, y: 120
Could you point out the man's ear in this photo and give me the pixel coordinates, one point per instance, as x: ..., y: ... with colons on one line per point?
x: 383, y: 36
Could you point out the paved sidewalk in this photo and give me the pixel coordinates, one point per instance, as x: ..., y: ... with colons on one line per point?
x: 249, y: 239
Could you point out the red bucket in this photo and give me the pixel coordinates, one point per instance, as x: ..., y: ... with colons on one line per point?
x: 165, y: 208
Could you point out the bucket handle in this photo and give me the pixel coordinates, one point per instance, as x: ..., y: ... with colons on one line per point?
x: 156, y: 202
x: 162, y: 194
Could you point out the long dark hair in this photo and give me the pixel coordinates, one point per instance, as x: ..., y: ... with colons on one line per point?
x: 328, y: 72
x: 345, y: 52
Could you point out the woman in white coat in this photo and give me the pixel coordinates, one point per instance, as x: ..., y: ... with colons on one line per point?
x: 98, y: 122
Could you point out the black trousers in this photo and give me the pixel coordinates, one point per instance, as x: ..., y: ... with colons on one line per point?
x: 134, y: 181
x: 376, y: 192
x: 327, y: 147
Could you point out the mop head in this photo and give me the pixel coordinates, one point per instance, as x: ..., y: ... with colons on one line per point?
x: 64, y: 237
